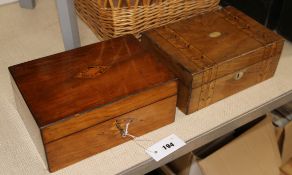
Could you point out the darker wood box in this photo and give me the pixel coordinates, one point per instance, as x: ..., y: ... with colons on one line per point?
x: 215, y: 55
x: 78, y: 99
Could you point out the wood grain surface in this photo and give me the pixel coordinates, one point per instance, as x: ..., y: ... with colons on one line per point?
x: 228, y: 85
x: 76, y: 96
x: 117, y: 108
x: 205, y: 51
x: 65, y: 151
x: 63, y: 85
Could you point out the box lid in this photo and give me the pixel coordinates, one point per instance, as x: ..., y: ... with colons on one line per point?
x: 67, y: 84
x: 209, y: 46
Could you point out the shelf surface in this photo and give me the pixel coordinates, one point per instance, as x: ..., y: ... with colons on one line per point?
x: 197, y: 129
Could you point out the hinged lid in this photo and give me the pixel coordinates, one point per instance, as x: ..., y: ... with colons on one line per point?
x: 212, y: 45
x: 66, y: 85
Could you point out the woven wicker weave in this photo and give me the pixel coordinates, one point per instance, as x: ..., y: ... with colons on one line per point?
x: 113, y: 18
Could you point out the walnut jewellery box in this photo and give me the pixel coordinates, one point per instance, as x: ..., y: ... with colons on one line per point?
x: 215, y: 55
x: 82, y: 99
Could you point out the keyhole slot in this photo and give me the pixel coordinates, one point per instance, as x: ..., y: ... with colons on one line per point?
x: 238, y: 75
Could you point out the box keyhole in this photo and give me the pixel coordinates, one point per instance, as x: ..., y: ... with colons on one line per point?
x: 238, y: 75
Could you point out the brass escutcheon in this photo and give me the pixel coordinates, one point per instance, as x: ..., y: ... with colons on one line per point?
x: 238, y: 75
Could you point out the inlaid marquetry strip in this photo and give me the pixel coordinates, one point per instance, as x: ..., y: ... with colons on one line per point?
x: 210, y: 93
x: 254, y: 31
x: 99, y: 68
x: 266, y: 68
x: 214, y: 72
x: 172, y: 39
x: 263, y: 71
x: 279, y: 45
x: 203, y: 94
x: 271, y: 55
x: 270, y: 51
x: 212, y: 85
x: 200, y: 60
x: 207, y: 89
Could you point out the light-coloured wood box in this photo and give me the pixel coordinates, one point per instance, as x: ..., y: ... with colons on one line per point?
x: 215, y: 55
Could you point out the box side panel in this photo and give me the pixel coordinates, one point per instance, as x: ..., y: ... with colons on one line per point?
x: 103, y: 136
x: 29, y: 122
x: 201, y: 96
x: 90, y: 118
x: 273, y: 63
x: 183, y: 97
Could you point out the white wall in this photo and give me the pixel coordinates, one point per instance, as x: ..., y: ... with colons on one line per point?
x: 6, y: 1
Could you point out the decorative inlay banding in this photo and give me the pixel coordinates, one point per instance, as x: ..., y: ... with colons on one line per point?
x: 201, y: 61
x: 251, y: 30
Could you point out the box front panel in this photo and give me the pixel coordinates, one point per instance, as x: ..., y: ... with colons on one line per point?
x: 221, y: 88
x: 78, y: 146
x: 236, y: 82
x: 87, y: 119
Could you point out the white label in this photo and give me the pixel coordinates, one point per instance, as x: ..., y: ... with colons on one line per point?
x: 165, y: 147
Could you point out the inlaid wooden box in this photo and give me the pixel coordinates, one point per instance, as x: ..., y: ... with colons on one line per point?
x: 74, y: 102
x: 215, y: 55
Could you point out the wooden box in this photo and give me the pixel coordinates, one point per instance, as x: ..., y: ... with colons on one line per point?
x: 81, y: 97
x: 215, y: 55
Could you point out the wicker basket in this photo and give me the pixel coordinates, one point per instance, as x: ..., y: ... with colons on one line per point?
x: 113, y: 18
